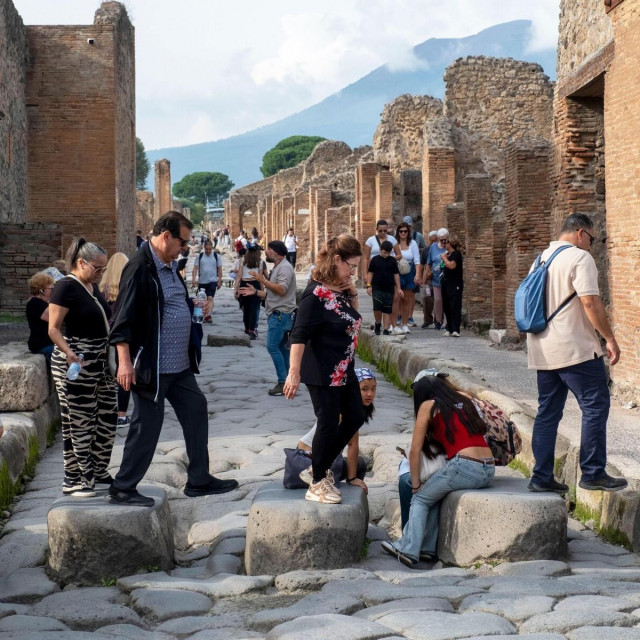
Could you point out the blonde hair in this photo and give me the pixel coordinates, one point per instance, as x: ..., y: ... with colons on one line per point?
x: 39, y: 282
x: 110, y: 283
x: 344, y: 246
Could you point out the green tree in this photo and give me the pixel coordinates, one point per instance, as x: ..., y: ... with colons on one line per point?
x: 142, y: 165
x: 288, y: 153
x: 197, y: 210
x: 194, y: 186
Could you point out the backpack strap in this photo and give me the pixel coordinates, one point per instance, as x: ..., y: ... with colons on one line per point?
x: 377, y: 240
x: 546, y: 266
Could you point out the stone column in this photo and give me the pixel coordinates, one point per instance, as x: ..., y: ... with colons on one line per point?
x: 499, y: 291
x: 384, y: 196
x: 438, y: 185
x: 162, y: 180
x: 455, y: 221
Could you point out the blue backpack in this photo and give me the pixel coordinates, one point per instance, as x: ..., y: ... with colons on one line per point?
x: 531, y: 297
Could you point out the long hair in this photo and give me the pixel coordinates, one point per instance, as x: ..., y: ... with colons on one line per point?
x: 110, y: 283
x: 83, y: 250
x: 252, y: 257
x: 403, y: 225
x: 447, y: 401
x: 344, y: 246
x: 368, y: 412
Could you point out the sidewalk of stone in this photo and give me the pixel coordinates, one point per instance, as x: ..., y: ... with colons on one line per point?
x: 596, y: 594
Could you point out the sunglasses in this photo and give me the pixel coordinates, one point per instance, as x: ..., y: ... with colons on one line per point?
x: 183, y: 243
x: 95, y: 269
x: 403, y: 231
x: 591, y: 238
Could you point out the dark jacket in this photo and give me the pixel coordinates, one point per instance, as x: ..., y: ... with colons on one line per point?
x: 137, y: 319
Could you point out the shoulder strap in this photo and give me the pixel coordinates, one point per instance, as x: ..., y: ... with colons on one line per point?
x: 378, y: 241
x: 572, y: 296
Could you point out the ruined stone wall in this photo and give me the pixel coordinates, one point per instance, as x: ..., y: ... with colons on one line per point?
x: 583, y: 30
x: 25, y: 249
x: 144, y: 211
x: 13, y: 115
x: 162, y: 188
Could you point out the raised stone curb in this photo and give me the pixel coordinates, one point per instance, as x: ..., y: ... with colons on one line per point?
x: 239, y: 340
x: 91, y: 539
x: 286, y: 532
x: 24, y: 383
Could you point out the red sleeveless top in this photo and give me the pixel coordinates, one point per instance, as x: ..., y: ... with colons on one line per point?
x: 461, y: 437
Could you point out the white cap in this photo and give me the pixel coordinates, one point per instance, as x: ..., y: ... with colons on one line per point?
x: 443, y: 233
x: 432, y: 233
x: 408, y: 220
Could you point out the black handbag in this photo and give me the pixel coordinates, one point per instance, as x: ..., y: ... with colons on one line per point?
x: 297, y: 460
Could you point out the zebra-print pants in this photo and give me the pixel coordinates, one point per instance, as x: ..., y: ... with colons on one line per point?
x: 88, y: 411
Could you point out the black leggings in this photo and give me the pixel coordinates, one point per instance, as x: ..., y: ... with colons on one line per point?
x: 452, y: 305
x: 333, y: 435
x: 250, y: 306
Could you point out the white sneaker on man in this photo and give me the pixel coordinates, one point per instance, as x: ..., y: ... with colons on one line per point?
x: 397, y: 331
x: 405, y: 329
x: 445, y: 334
x: 455, y: 334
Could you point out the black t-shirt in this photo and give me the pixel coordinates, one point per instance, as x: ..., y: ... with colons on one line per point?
x: 39, y: 329
x: 84, y: 319
x: 454, y: 276
x: 328, y: 325
x: 383, y: 270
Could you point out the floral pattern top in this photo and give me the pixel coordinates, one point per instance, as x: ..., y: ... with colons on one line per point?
x: 329, y: 326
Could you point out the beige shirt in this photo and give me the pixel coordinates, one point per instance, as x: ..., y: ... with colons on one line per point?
x: 569, y: 338
x: 284, y: 275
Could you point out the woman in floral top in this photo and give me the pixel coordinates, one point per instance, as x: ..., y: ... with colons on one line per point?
x: 323, y: 344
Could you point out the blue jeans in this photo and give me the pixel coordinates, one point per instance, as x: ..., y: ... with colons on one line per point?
x: 278, y: 325
x: 420, y: 534
x: 406, y: 493
x: 588, y: 383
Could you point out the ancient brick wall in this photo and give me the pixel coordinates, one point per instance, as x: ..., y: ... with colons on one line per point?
x: 499, y: 298
x: 584, y: 28
x: 144, y: 211
x: 13, y: 115
x: 410, y: 188
x: 74, y: 158
x: 25, y: 249
x: 338, y: 220
x: 455, y: 221
x: 162, y: 188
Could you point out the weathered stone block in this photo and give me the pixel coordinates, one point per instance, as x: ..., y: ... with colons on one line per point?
x: 285, y: 532
x: 502, y: 522
x: 91, y: 539
x: 24, y: 384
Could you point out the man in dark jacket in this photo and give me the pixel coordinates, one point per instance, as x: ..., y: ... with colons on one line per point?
x: 158, y: 354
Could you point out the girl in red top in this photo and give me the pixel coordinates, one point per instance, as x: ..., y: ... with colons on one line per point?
x: 446, y: 422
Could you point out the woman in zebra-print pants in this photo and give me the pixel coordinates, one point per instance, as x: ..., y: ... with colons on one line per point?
x: 78, y: 324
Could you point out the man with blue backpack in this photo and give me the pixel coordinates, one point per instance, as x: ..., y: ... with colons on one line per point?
x: 559, y: 307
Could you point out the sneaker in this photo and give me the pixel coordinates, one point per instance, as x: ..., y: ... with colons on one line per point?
x: 397, y: 331
x: 123, y: 421
x: 604, y: 483
x: 554, y: 486
x: 438, y: 326
x: 455, y: 334
x: 322, y: 491
x: 405, y: 329
x: 213, y: 487
x: 411, y: 322
x: 376, y: 328
x: 253, y: 335
x: 306, y: 475
x: 130, y: 498
x: 83, y: 492
x: 278, y: 390
x: 426, y: 325
x: 332, y: 480
x: 69, y: 487
x: 392, y: 551
x: 427, y: 557
x: 386, y: 332
x: 446, y: 334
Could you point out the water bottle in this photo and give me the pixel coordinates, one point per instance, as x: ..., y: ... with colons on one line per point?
x: 198, y: 307
x: 74, y: 368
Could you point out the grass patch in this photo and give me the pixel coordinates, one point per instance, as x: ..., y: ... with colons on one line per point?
x: 520, y: 466
x: 365, y: 549
x: 5, y: 316
x: 615, y: 536
x: 109, y: 581
x: 7, y: 489
x: 558, y: 466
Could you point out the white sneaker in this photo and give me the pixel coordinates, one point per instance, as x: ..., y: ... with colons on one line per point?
x: 306, y: 475
x: 332, y: 480
x: 397, y: 331
x: 323, y: 492
x: 445, y: 334
x: 455, y: 334
x: 405, y: 329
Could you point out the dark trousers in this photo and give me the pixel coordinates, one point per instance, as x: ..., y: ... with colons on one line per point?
x: 190, y: 405
x: 340, y: 414
x: 588, y: 383
x: 123, y: 399
x: 250, y: 306
x: 291, y: 257
x: 452, y: 305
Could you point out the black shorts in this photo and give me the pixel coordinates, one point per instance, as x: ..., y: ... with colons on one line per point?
x: 382, y: 300
x: 210, y: 288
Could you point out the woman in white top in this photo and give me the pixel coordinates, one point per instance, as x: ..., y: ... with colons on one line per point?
x: 291, y: 242
x: 408, y: 281
x: 250, y: 305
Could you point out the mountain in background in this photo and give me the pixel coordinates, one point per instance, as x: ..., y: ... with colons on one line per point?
x: 352, y: 114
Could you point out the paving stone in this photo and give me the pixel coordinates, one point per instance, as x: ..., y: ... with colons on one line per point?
x: 626, y: 560
x: 532, y: 568
x: 586, y: 603
x: 596, y: 546
x: 514, y: 609
x: 27, y: 624
x: 22, y: 549
x: 406, y: 604
x: 223, y: 563
x: 36, y: 524
x: 604, y: 633
x: 535, y: 636
x: 12, y: 609
x: 456, y: 575
x: 315, y: 580
x: 328, y: 626
x: 605, y: 571
x: 233, y: 546
x: 208, y: 528
x: 553, y: 587
x: 437, y: 625
x: 162, y: 604
x: 221, y: 586
x: 87, y: 608
x: 227, y: 634
x: 185, y: 627
x: 131, y: 632
x: 55, y: 635
x: 564, y: 621
x: 26, y: 585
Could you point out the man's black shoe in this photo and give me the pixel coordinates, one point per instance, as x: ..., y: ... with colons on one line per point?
x: 604, y: 483
x: 130, y: 498
x: 541, y: 487
x: 278, y: 390
x: 212, y: 487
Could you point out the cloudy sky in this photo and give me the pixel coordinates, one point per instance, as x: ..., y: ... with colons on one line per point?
x: 209, y: 69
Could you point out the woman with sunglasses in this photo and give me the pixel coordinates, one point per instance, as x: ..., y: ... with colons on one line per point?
x: 323, y: 346
x: 408, y: 281
x: 79, y: 325
x: 452, y: 286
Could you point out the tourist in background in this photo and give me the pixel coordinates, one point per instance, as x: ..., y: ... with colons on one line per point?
x: 255, y: 236
x: 409, y: 279
x: 426, y: 277
x: 250, y: 305
x: 432, y: 269
x: 323, y: 345
x: 419, y: 239
x: 452, y: 285
x: 372, y: 245
x: 446, y: 422
x: 291, y: 242
x: 109, y: 288
x: 383, y: 282
x: 182, y: 262
x: 40, y: 287
x: 207, y: 274
x: 78, y: 324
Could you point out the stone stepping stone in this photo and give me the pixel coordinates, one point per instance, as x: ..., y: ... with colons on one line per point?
x: 162, y: 604
x: 26, y: 585
x: 515, y: 609
x: 328, y: 626
x: 184, y: 627
x: 314, y: 580
x: 87, y: 608
x: 28, y: 624
x: 406, y: 604
x: 564, y: 621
